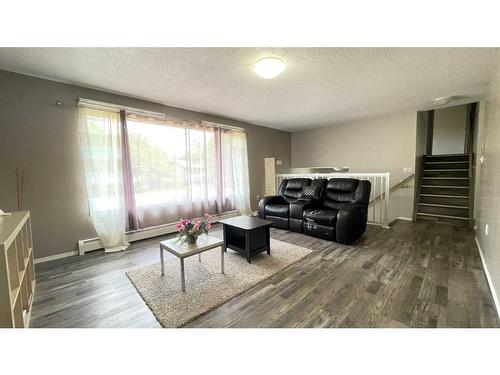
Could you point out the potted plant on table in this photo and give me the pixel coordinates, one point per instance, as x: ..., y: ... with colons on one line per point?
x: 190, y: 229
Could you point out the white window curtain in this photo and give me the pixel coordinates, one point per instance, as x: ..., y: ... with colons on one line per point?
x: 174, y: 170
x: 235, y: 170
x: 101, y: 143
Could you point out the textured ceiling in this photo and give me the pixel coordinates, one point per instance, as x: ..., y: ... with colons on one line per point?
x: 321, y: 86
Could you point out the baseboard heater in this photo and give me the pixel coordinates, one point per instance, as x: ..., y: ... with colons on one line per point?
x: 92, y: 244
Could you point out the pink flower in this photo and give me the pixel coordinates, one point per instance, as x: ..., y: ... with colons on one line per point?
x: 197, y: 225
x: 209, y: 226
x: 179, y: 227
x: 208, y: 217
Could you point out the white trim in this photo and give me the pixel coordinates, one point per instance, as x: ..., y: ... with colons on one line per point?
x: 490, y: 282
x: 379, y: 224
x: 54, y: 257
x: 92, y: 244
x: 404, y: 218
x: 398, y: 218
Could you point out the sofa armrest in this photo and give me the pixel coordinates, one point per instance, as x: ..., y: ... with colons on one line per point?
x: 351, y: 222
x: 298, y: 207
x: 270, y: 199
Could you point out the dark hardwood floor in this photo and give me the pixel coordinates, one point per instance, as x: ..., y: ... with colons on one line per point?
x: 412, y: 275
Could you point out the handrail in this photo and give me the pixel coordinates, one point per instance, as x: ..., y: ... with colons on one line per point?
x: 394, y: 188
x: 377, y: 214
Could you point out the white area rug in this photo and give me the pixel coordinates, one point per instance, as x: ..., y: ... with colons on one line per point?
x: 206, y: 287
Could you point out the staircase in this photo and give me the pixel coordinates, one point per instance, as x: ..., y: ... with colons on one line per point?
x: 444, y: 190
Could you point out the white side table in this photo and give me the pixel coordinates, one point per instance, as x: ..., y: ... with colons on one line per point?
x: 183, y: 250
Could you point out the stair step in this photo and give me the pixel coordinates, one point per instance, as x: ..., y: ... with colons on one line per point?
x: 447, y: 165
x: 445, y: 173
x: 443, y: 190
x: 443, y: 205
x: 443, y: 208
x: 446, y: 155
x: 445, y: 200
x: 445, y: 196
x: 443, y: 220
x: 446, y: 170
x: 451, y: 157
x: 445, y: 181
x: 444, y: 178
x: 445, y: 162
x: 443, y: 216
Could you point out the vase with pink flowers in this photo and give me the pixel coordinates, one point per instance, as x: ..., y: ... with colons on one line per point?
x: 190, y: 229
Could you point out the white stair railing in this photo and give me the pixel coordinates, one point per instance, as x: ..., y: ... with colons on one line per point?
x: 378, y: 210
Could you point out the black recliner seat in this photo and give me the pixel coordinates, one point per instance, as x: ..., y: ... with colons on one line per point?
x: 310, y: 198
x: 341, y: 213
x: 277, y: 207
x: 334, y: 209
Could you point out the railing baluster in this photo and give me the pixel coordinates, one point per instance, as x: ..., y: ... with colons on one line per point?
x: 382, y: 201
x: 374, y: 185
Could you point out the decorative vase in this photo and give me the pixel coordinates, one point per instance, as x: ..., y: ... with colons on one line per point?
x: 191, y: 239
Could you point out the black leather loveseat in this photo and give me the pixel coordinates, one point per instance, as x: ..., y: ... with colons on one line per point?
x: 334, y: 209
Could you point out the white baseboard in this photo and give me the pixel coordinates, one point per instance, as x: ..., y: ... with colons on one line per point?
x: 92, y: 244
x: 378, y: 224
x: 490, y: 282
x: 405, y: 218
x: 57, y: 256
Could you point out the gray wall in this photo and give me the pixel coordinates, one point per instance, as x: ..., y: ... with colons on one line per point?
x: 487, y: 186
x: 42, y: 139
x: 382, y: 144
x: 422, y: 136
x: 449, y: 130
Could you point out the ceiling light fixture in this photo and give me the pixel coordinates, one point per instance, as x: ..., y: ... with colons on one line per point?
x: 269, y: 67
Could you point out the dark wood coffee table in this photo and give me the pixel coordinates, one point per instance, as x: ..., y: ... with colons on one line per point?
x: 247, y: 235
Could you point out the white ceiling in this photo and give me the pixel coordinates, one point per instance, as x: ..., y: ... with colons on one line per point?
x: 321, y: 86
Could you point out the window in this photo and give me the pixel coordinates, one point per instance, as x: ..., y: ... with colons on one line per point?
x: 174, y: 171
x: 169, y: 169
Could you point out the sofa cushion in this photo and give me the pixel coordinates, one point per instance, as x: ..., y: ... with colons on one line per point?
x: 292, y: 189
x: 312, y: 192
x: 339, y: 191
x: 321, y: 217
x: 280, y: 210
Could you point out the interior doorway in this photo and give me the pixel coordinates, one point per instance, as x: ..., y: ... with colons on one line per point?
x: 444, y: 165
x: 449, y: 130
